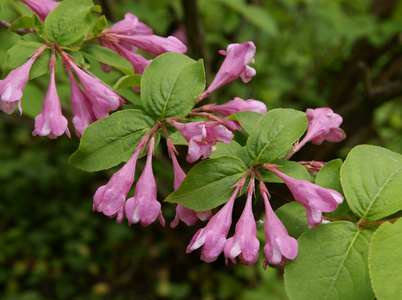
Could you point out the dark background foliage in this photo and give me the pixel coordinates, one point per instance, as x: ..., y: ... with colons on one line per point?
x: 310, y: 53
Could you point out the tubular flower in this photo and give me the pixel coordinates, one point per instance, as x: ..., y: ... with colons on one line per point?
x: 237, y: 105
x: 11, y: 87
x: 323, y: 124
x: 244, y: 243
x: 280, y: 245
x: 144, y: 207
x: 82, y: 110
x: 188, y: 216
x: 103, y: 98
x: 314, y: 198
x: 130, y: 25
x: 235, y: 65
x: 213, y: 236
x: 50, y: 121
x: 110, y: 198
x: 202, y: 137
x: 41, y: 7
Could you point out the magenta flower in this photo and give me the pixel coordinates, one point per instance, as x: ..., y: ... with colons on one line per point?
x: 41, y: 7
x: 12, y: 86
x: 82, y: 109
x: 280, y: 245
x: 144, y: 207
x: 235, y: 65
x: 138, y: 62
x: 50, y: 121
x: 314, y: 198
x: 110, y: 198
x: 103, y: 98
x: 237, y: 105
x: 202, y: 137
x: 153, y: 44
x: 323, y: 124
x: 188, y: 216
x: 244, y: 243
x: 213, y: 236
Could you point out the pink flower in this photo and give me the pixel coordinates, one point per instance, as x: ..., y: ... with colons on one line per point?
x: 213, y: 236
x: 235, y: 65
x: 280, y: 245
x: 138, y: 62
x: 244, y: 243
x: 50, y: 121
x: 314, y: 198
x: 41, y: 7
x: 144, y: 207
x: 130, y: 25
x: 323, y: 124
x: 237, y: 105
x: 82, y: 110
x: 188, y: 216
x: 11, y: 87
x: 153, y: 44
x: 110, y: 198
x: 202, y: 137
x: 102, y: 98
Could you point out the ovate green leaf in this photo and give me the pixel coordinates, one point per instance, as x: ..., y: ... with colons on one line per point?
x: 275, y: 132
x: 111, y: 140
x: 331, y: 264
x: 371, y: 178
x: 209, y: 183
x: 385, y: 259
x: 171, y: 84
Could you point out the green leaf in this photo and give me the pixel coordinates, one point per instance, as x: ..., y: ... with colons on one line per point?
x: 371, y: 178
x: 20, y: 53
x: 331, y: 264
x: 37, y: 25
x: 171, y: 84
x: 329, y: 177
x: 127, y: 81
x: 293, y: 216
x: 21, y: 22
x: 111, y: 140
x: 248, y: 120
x: 69, y: 21
x: 275, y: 132
x: 290, y: 168
x: 209, y: 183
x: 109, y: 57
x: 232, y: 149
x: 99, y: 25
x: 385, y: 259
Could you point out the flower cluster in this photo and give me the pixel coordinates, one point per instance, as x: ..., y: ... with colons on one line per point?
x: 244, y: 243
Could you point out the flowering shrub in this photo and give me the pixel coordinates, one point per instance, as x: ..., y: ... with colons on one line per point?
x: 338, y: 250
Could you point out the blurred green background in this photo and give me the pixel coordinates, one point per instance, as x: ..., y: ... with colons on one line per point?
x: 338, y: 53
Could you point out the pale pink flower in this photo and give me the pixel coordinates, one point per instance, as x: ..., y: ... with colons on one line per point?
x: 130, y: 25
x: 244, y: 243
x: 81, y: 105
x: 137, y: 61
x: 12, y: 86
x: 144, y: 207
x: 314, y: 198
x: 280, y: 246
x: 235, y: 65
x: 50, y: 121
x: 110, y: 198
x: 188, y: 216
x: 237, y: 105
x: 323, y: 124
x: 202, y: 137
x: 212, y: 237
x: 41, y: 7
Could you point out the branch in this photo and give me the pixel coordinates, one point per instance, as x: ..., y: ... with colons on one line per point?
x: 17, y: 31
